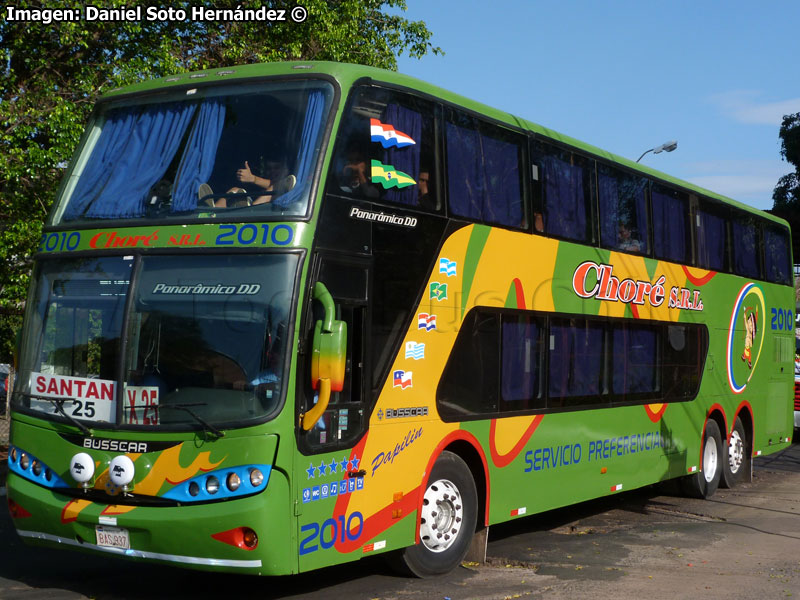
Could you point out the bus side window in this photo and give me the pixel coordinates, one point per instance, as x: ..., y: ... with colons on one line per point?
x: 671, y: 235
x: 484, y: 171
x: 712, y: 239
x: 565, y: 183
x: 386, y: 150
x: 623, y: 210
x: 776, y: 255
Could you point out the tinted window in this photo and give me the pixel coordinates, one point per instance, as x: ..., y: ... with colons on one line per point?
x: 711, y: 240
x: 670, y: 233
x: 591, y: 362
x: 576, y: 362
x: 385, y: 149
x: 521, y: 386
x: 623, y: 210
x: 484, y: 178
x: 636, y: 361
x: 564, y: 182
x: 470, y: 380
x: 745, y: 247
x: 776, y: 255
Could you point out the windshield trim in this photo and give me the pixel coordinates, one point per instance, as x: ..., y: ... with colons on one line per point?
x: 192, y: 425
x: 232, y: 216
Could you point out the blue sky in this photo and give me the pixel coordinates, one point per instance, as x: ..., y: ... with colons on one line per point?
x: 629, y: 75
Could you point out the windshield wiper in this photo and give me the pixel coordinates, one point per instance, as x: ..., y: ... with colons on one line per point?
x: 59, y: 404
x: 207, y: 427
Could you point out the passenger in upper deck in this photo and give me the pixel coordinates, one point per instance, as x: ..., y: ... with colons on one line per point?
x: 276, y: 180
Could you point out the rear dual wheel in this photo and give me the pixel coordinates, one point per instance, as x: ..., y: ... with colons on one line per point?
x: 736, y: 460
x: 704, y: 483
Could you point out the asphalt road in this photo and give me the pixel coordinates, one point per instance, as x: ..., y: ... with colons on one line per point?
x: 742, y: 543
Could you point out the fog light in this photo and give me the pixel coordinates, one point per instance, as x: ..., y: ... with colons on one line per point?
x: 194, y: 489
x: 212, y: 485
x: 81, y: 467
x: 24, y: 461
x: 121, y: 471
x: 240, y: 537
x: 256, y: 477
x: 37, y: 468
x: 13, y: 454
x: 233, y: 482
x: 249, y: 538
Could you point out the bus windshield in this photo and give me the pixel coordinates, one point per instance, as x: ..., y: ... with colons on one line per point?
x: 203, y: 342
x: 201, y: 153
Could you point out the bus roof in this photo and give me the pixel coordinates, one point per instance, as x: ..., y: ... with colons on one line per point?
x: 346, y: 74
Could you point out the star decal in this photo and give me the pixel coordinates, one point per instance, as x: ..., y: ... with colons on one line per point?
x: 322, y: 468
x: 354, y: 461
x: 311, y: 470
x: 344, y: 464
x: 333, y: 466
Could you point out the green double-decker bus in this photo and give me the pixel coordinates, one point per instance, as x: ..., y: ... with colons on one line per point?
x: 285, y: 316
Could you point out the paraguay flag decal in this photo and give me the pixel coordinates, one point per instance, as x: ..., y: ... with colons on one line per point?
x: 388, y: 136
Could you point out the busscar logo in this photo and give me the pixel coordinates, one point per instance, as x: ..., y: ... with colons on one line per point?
x: 402, y: 413
x: 115, y: 445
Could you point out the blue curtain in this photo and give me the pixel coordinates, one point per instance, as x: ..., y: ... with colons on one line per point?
x: 404, y: 159
x: 745, y: 249
x: 564, y: 199
x: 520, y: 360
x: 133, y: 158
x: 669, y: 227
x: 710, y: 241
x: 311, y: 129
x: 463, y: 167
x: 199, y: 155
x: 99, y: 168
x: 576, y: 360
x: 483, y: 177
x: 635, y: 360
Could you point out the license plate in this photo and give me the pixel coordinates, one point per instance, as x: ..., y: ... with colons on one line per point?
x: 112, y: 537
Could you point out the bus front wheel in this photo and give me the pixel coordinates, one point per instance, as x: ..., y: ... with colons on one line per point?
x: 704, y: 483
x: 737, y: 457
x: 446, y: 520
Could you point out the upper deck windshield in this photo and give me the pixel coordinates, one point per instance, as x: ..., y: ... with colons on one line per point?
x: 213, y: 152
x: 205, y: 340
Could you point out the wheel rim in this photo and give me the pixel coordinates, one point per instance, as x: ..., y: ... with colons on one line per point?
x: 442, y: 516
x: 710, y: 459
x: 735, y: 452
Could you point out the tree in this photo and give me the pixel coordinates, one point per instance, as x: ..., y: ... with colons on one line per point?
x: 786, y: 196
x: 787, y: 192
x: 52, y: 73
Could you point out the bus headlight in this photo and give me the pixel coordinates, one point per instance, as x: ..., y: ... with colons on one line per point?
x: 233, y: 482
x: 212, y: 485
x: 256, y: 477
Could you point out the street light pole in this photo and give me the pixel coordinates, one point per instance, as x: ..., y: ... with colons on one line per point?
x: 665, y: 147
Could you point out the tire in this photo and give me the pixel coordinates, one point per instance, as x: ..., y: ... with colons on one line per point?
x: 705, y: 482
x: 447, y: 519
x: 736, y: 457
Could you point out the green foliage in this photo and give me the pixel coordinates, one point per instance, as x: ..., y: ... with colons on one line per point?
x: 787, y: 193
x: 51, y: 75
